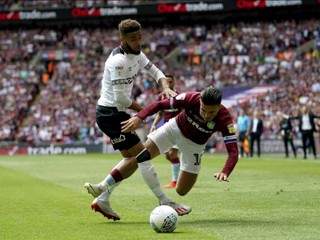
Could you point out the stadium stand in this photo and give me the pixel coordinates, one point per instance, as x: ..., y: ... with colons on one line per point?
x: 53, y: 100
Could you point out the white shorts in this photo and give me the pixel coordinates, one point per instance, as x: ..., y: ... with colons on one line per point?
x: 169, y: 135
x: 173, y: 147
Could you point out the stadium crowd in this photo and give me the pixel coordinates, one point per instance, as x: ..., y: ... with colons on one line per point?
x: 41, y: 4
x: 61, y: 108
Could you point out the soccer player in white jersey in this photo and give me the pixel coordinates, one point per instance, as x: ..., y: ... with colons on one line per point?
x: 121, y: 69
x: 202, y: 115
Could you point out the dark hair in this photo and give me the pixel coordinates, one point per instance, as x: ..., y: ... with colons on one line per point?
x: 211, y: 96
x: 128, y: 26
x: 169, y: 76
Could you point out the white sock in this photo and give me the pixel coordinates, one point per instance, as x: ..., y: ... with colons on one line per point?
x: 109, y: 180
x: 105, y: 196
x: 151, y: 179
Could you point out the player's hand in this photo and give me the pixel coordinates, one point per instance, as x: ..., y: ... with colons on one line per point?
x: 130, y: 124
x: 153, y: 128
x: 169, y: 93
x: 220, y: 176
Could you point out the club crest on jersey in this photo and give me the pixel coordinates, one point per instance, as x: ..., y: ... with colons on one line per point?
x: 119, y: 70
x: 210, y: 125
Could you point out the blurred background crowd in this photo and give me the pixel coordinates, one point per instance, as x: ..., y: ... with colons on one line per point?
x: 53, y: 100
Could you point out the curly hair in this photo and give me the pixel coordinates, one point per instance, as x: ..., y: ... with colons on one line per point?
x: 128, y: 26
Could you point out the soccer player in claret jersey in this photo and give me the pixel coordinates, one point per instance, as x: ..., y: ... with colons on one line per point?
x: 172, y: 153
x: 203, y: 115
x: 120, y: 71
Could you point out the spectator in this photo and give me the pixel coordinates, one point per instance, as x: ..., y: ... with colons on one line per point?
x: 307, y: 128
x: 256, y: 130
x: 286, y: 131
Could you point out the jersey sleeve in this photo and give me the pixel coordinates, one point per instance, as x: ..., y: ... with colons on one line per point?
x: 153, y: 108
x: 179, y: 101
x: 230, y: 140
x: 150, y: 68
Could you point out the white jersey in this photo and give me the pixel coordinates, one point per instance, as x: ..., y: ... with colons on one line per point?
x: 120, y: 71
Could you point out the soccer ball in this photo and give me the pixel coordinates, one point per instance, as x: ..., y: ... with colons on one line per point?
x: 163, y: 219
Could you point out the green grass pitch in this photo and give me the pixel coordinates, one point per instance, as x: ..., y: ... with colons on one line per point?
x: 41, y: 197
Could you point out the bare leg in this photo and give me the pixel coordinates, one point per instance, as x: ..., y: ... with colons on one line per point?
x: 185, y: 182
